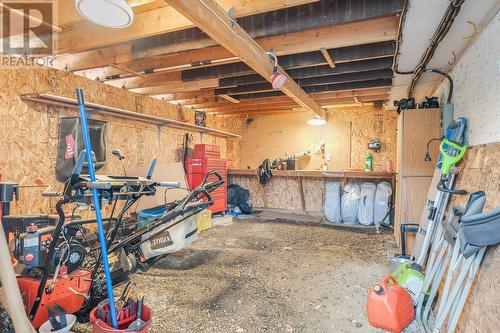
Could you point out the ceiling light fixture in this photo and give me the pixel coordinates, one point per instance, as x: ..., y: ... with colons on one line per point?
x: 106, y: 13
x: 277, y: 80
x: 316, y: 121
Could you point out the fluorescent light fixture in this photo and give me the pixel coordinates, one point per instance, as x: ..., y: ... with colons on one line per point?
x: 106, y: 13
x: 316, y: 121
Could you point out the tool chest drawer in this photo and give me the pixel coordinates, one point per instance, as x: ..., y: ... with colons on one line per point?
x: 198, y: 167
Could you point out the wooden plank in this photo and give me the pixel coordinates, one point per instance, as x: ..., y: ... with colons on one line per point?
x: 69, y: 18
x: 158, y: 21
x: 226, y: 108
x: 229, y: 98
x: 177, y: 87
x: 122, y: 113
x: 296, y: 60
x: 118, y: 54
x: 186, y: 95
x: 419, y: 126
x: 328, y: 57
x: 317, y: 174
x: 349, y: 34
x: 311, y: 81
x: 213, y: 20
x: 150, y: 80
x: 301, y: 191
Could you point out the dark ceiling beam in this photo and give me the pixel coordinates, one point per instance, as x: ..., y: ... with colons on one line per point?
x: 322, y: 70
x: 341, y: 55
x: 324, y: 88
x: 293, y: 19
x: 311, y: 81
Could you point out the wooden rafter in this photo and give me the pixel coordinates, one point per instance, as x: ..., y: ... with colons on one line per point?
x: 328, y: 57
x: 348, y: 34
x: 213, y: 20
x: 176, y: 87
x: 154, y: 22
x: 229, y: 99
x: 291, y: 104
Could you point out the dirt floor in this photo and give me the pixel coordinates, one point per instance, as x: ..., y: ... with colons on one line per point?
x: 254, y: 276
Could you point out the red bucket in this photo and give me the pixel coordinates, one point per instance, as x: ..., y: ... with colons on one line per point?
x: 99, y: 326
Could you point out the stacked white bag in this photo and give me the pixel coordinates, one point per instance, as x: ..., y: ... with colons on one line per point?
x: 350, y: 202
x: 366, y: 202
x: 382, y: 202
x: 332, y: 202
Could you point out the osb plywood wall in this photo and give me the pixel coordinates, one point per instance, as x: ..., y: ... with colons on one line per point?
x: 276, y: 136
x: 283, y: 192
x: 480, y: 171
x: 349, y: 150
x: 29, y: 130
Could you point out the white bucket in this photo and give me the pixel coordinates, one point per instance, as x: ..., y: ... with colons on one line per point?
x: 47, y: 326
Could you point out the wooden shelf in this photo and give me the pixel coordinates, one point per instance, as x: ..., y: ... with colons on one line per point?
x: 93, y: 107
x: 316, y: 174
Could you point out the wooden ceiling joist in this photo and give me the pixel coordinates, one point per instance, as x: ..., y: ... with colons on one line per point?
x: 272, y: 23
x: 311, y: 81
x: 350, y: 34
x: 147, y: 80
x: 213, y: 20
x: 291, y: 104
x: 348, y: 95
x: 176, y: 87
x: 186, y: 95
x: 314, y: 71
x: 290, y: 62
x: 300, y: 60
x: 324, y: 89
x: 68, y: 17
x: 328, y: 57
x: 155, y: 22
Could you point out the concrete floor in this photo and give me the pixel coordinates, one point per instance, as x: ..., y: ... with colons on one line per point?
x: 255, y: 276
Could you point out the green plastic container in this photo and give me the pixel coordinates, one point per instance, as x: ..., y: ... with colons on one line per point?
x: 410, y: 276
x: 369, y: 163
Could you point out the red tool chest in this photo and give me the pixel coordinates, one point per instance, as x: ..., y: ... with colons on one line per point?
x: 207, y: 158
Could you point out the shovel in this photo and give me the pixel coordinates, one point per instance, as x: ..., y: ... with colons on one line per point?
x: 139, y: 324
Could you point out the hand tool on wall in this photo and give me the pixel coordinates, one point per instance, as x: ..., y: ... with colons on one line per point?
x: 97, y: 207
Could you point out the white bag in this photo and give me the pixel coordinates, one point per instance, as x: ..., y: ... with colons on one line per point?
x: 171, y: 240
x: 382, y: 203
x: 332, y: 202
x: 366, y: 201
x: 350, y: 202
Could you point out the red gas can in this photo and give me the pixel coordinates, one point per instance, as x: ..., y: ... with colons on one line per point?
x: 389, y: 306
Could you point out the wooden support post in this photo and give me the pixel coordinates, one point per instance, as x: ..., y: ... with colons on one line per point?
x: 301, y: 190
x: 328, y: 57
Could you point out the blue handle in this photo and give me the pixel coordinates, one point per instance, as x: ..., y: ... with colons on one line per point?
x: 97, y: 206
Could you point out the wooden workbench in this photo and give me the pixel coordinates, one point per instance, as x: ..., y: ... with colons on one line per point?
x: 298, y: 189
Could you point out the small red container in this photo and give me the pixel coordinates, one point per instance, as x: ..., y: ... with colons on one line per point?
x: 99, y: 326
x: 389, y: 306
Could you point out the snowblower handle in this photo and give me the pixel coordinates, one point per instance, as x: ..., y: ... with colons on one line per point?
x: 210, y: 187
x: 169, y: 184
